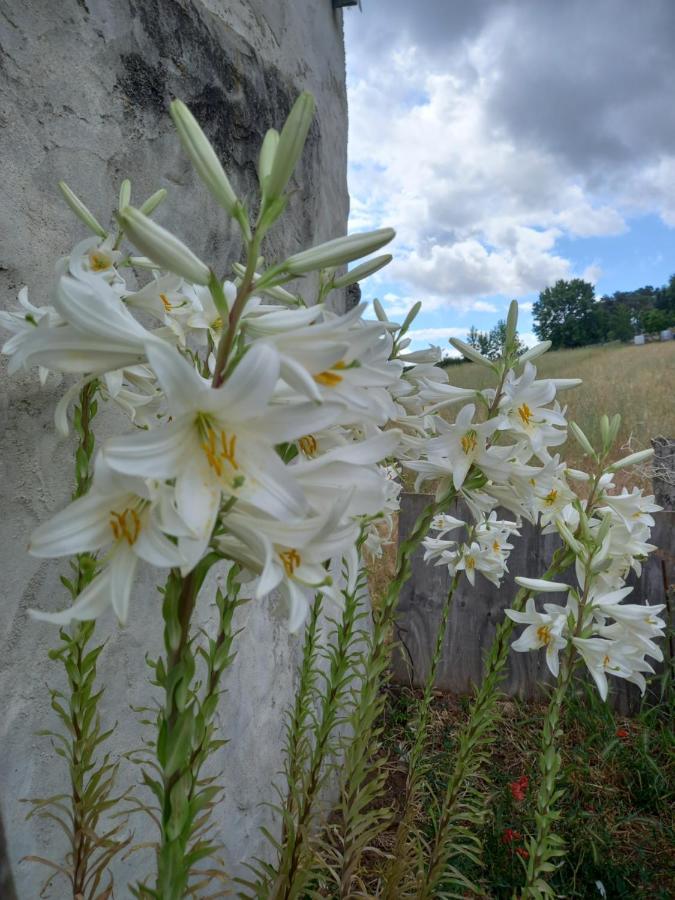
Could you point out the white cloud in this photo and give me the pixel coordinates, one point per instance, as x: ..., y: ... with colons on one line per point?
x: 479, y: 206
x: 425, y: 336
x: 483, y: 306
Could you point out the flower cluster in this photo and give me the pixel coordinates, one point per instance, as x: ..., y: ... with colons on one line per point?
x: 259, y: 419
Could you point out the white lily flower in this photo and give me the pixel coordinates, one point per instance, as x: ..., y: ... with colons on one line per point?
x: 457, y: 449
x: 220, y: 441
x: 543, y: 630
x: 292, y: 553
x: 348, y: 468
x: 604, y: 657
x: 525, y: 406
x: 118, y: 513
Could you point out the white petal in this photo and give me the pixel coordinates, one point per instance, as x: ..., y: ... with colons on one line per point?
x: 122, y: 568
x: 82, y: 526
x: 198, y: 497
x: 248, y: 389
x: 93, y: 601
x: 178, y: 378
x: 152, y: 454
x: 154, y: 548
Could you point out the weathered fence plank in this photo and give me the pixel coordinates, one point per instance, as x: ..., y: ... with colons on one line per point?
x: 476, y: 613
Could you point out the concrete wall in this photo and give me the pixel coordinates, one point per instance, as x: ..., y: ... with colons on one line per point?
x: 84, y: 92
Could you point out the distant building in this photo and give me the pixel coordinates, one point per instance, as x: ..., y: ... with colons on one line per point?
x: 639, y: 339
x: 667, y: 335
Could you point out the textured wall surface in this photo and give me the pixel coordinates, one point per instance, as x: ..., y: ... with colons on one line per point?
x: 84, y: 93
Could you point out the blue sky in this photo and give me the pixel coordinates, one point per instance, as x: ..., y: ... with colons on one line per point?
x: 511, y: 143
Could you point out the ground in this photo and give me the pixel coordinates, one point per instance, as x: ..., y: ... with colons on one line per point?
x: 618, y: 776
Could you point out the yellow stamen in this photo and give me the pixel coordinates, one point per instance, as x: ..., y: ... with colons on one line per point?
x: 123, y: 527
x: 525, y: 413
x: 308, y: 444
x: 470, y: 562
x: 544, y: 634
x: 496, y: 546
x: 330, y: 378
x: 167, y: 303
x: 291, y: 560
x: 217, y: 323
x: 99, y: 261
x: 469, y: 441
x: 550, y: 498
x: 218, y: 448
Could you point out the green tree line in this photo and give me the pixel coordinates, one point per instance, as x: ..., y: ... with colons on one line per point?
x: 570, y: 315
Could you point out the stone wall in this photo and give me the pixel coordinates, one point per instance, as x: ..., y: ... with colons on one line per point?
x: 84, y: 93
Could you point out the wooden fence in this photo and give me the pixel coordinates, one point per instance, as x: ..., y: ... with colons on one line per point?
x: 476, y: 612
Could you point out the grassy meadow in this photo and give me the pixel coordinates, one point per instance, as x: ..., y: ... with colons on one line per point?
x: 637, y: 382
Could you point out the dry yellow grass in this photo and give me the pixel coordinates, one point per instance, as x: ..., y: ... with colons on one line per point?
x: 637, y: 382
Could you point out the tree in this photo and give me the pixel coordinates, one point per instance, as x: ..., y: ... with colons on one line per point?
x: 566, y: 314
x: 491, y: 343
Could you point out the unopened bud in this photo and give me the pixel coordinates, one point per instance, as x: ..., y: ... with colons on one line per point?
x: 469, y: 353
x: 584, y: 443
x: 162, y: 247
x: 363, y: 271
x: 203, y: 156
x: 631, y: 460
x: 540, y: 585
x: 266, y: 158
x: 534, y: 352
x: 81, y: 211
x: 290, y: 144
x: 125, y: 194
x: 339, y: 251
x: 153, y: 202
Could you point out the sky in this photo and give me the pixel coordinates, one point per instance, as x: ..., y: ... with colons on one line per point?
x: 511, y: 143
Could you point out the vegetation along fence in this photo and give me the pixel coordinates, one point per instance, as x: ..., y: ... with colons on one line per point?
x: 476, y: 613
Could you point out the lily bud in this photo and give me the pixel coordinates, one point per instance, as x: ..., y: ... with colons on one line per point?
x: 125, y: 194
x: 469, y: 353
x: 203, y: 156
x: 363, y: 271
x: 569, y: 538
x: 153, y: 202
x: 537, y: 585
x: 290, y: 144
x: 631, y: 460
x: 338, y: 252
x: 410, y: 318
x: 267, y: 154
x: 379, y: 311
x: 162, y: 247
x: 511, y: 325
x: 81, y: 211
x: 582, y: 439
x: 534, y: 352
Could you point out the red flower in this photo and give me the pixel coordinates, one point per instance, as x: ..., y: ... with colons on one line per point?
x: 521, y: 851
x: 518, y: 788
x: 622, y: 733
x: 510, y: 836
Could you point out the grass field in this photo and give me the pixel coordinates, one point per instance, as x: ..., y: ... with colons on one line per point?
x: 637, y: 382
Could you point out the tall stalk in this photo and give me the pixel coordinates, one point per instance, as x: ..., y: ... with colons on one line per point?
x: 406, y: 851
x: 544, y: 847
x: 294, y: 868
x: 92, y: 777
x: 362, y: 774
x: 463, y: 806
